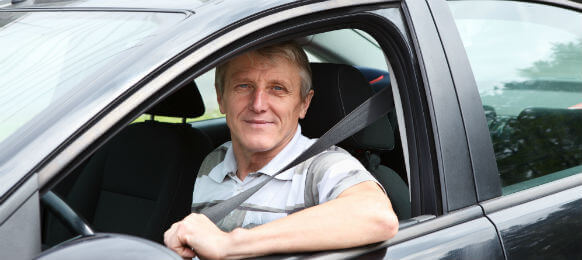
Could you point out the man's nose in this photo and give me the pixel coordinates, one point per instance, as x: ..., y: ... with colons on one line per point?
x: 259, y: 101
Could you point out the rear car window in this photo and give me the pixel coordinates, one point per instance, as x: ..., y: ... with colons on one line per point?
x: 527, y: 61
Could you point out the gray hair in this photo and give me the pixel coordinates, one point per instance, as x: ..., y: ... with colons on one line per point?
x: 288, y: 50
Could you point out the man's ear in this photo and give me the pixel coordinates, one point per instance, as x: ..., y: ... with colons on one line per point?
x: 305, y: 104
x: 219, y: 99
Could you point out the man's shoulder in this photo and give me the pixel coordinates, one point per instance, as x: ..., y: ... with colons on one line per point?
x: 333, y: 153
x: 327, y: 159
x: 214, y: 158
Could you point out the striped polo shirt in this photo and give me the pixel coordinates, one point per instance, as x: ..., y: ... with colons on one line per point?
x: 312, y: 182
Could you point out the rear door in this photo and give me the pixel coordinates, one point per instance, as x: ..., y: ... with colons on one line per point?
x: 527, y: 61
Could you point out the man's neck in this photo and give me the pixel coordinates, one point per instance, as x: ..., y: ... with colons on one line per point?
x: 250, y: 161
x: 247, y: 163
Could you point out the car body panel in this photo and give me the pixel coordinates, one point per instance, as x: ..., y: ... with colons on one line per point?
x: 483, y: 163
x: 453, y: 152
x: 113, y: 4
x: 475, y: 239
x: 20, y: 223
x: 465, y: 233
x: 541, y: 222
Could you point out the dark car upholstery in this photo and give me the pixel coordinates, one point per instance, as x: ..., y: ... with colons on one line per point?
x: 338, y: 90
x: 141, y: 181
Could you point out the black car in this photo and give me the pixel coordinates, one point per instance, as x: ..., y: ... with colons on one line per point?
x: 108, y: 108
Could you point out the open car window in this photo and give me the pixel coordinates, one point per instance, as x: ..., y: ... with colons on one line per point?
x: 118, y: 154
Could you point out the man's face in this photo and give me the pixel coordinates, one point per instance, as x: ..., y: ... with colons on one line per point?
x: 262, y: 102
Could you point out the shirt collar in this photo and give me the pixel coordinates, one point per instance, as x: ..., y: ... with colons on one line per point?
x: 228, y: 165
x: 297, y: 144
x: 294, y: 148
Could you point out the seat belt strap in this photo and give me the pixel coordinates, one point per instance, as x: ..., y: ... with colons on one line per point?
x: 365, y: 114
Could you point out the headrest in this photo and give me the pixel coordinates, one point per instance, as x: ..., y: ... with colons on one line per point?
x: 186, y: 102
x: 339, y: 89
x: 378, y: 79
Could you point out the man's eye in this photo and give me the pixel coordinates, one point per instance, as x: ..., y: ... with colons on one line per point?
x: 278, y: 88
x: 243, y: 86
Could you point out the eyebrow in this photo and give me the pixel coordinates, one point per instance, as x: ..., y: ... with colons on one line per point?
x: 280, y: 82
x: 234, y: 78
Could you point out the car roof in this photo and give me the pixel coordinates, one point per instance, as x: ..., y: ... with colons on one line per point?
x: 190, y: 5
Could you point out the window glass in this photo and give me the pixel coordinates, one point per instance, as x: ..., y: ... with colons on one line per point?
x: 47, y: 55
x: 527, y: 61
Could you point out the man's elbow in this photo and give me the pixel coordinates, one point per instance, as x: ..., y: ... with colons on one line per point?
x: 387, y: 224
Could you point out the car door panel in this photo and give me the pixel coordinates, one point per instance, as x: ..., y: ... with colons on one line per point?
x: 475, y: 239
x: 463, y: 234
x: 543, y: 228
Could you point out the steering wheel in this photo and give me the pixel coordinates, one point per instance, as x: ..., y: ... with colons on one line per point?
x: 66, y: 214
x: 95, y: 246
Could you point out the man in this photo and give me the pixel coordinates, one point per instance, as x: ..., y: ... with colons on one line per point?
x: 263, y: 94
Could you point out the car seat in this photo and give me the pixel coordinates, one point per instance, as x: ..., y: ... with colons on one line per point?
x: 141, y: 181
x: 338, y: 90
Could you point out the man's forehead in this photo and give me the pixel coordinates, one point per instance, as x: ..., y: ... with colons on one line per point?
x: 258, y: 61
x: 253, y: 62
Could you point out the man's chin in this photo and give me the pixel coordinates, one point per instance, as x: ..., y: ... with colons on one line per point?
x: 258, y: 147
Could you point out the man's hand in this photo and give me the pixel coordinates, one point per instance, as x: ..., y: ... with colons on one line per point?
x: 196, y: 235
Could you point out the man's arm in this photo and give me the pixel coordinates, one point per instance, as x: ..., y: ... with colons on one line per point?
x: 360, y: 215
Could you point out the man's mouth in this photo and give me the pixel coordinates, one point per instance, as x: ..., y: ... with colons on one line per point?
x: 258, y: 122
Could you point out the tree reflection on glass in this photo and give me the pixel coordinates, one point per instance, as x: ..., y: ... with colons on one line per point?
x: 541, y: 140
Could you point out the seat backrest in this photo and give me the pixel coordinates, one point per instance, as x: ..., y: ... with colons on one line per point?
x: 141, y: 181
x: 339, y: 89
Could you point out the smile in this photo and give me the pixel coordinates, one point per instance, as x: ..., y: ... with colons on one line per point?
x: 258, y: 122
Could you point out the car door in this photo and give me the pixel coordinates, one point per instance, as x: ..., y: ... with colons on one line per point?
x: 526, y: 58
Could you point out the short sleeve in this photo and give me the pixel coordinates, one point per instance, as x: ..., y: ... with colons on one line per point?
x: 333, y: 172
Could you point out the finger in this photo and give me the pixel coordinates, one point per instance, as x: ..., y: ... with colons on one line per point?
x: 169, y: 235
x: 186, y: 252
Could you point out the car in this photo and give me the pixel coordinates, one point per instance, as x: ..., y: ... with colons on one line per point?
x: 108, y: 108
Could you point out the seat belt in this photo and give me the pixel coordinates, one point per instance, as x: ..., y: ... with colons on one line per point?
x: 365, y: 114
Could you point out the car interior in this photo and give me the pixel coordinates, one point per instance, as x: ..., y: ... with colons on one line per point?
x: 141, y: 180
